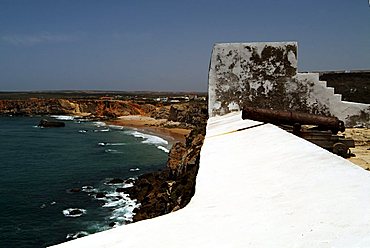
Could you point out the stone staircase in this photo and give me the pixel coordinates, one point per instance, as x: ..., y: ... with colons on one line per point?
x: 264, y: 74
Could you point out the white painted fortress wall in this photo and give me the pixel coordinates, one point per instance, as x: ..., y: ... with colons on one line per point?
x: 260, y: 187
x: 264, y: 75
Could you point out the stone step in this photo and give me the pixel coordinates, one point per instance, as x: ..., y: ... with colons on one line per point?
x: 323, y: 83
x: 338, y: 97
x: 316, y: 77
x: 331, y: 90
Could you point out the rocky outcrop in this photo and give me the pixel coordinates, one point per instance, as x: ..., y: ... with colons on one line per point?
x: 47, y: 123
x: 97, y: 108
x: 193, y: 114
x: 160, y: 112
x: 168, y: 190
x: 172, y: 188
x: 115, y: 181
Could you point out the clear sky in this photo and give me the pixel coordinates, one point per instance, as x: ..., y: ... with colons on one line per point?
x: 166, y: 45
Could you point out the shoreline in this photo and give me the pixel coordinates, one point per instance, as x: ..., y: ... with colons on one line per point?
x: 150, y: 126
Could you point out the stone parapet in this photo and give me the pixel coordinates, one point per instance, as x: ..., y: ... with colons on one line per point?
x: 264, y: 74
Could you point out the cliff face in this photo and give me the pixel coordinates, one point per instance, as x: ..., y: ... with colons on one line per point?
x: 38, y: 107
x: 166, y: 191
x: 97, y: 108
x: 193, y: 114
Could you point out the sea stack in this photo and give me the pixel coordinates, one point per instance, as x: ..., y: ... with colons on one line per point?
x: 46, y: 123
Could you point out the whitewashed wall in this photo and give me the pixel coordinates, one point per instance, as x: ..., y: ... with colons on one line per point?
x: 264, y: 74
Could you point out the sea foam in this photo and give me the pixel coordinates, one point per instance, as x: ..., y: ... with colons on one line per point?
x: 148, y: 138
x: 112, y: 151
x: 120, y: 203
x: 115, y: 127
x: 163, y: 149
x: 101, y: 130
x: 116, y: 144
x: 88, y: 189
x: 125, y: 211
x: 111, y: 144
x: 99, y: 124
x: 69, y: 212
x: 63, y: 117
x: 76, y: 235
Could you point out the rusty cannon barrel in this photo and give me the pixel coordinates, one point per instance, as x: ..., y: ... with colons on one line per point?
x: 280, y: 117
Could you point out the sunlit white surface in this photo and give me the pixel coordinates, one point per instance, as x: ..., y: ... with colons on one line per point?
x: 259, y: 187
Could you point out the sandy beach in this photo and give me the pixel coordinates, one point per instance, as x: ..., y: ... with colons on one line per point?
x: 361, y: 137
x: 153, y: 126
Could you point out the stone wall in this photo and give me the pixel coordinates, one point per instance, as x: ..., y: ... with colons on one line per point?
x: 265, y: 75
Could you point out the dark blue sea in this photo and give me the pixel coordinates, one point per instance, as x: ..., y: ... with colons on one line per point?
x: 40, y: 166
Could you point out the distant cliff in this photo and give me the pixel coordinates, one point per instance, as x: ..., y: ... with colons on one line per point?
x: 97, y: 108
x: 189, y: 114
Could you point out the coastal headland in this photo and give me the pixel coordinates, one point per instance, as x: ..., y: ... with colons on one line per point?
x: 180, y: 118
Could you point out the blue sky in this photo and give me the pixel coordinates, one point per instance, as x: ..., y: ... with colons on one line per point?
x: 166, y: 45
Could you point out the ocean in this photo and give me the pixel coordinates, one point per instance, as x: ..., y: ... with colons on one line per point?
x: 54, y: 182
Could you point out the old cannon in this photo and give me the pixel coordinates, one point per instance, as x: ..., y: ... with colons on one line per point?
x: 280, y: 117
x: 322, y: 130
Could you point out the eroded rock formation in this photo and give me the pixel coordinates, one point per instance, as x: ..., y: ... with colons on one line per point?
x: 189, y: 115
x: 172, y: 188
x: 98, y: 108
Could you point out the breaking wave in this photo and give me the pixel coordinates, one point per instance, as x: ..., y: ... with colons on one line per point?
x: 147, y: 138
x: 76, y: 235
x: 88, y: 189
x: 112, y: 151
x: 111, y: 144
x: 63, y: 117
x: 123, y: 207
x: 102, y: 130
x: 163, y: 149
x: 99, y: 124
x: 74, y: 212
x: 126, y: 213
x: 115, y: 127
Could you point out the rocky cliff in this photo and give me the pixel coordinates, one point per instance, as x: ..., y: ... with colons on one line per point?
x: 97, y: 108
x: 168, y: 190
x: 171, y: 189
